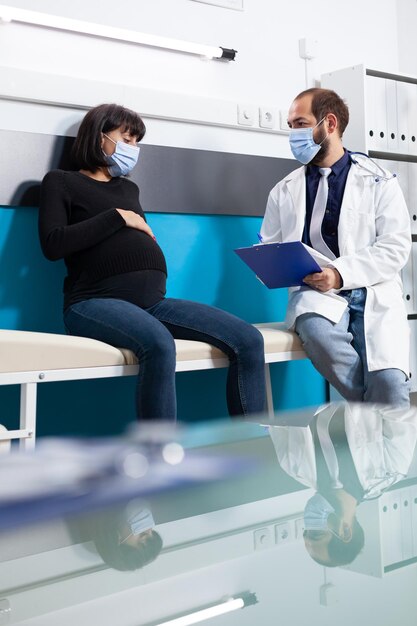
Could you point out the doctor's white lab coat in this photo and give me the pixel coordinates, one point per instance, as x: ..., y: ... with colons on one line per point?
x: 381, y: 442
x: 374, y: 238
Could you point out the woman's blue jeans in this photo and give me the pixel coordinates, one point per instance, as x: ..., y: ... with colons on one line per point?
x: 150, y: 334
x: 338, y: 352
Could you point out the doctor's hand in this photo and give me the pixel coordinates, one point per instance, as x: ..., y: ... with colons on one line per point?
x: 325, y: 280
x: 133, y: 220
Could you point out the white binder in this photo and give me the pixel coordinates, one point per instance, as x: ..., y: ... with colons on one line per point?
x: 413, y: 494
x: 376, y: 113
x: 404, y: 103
x: 392, y: 118
x: 391, y: 527
x: 413, y: 260
x: 408, y: 290
x: 412, y: 195
x: 413, y: 354
x: 406, y: 524
x: 412, y: 120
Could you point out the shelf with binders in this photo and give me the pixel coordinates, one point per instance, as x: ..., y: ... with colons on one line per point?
x: 406, y: 173
x: 407, y: 178
x: 383, y: 122
x: 409, y: 279
x: 390, y: 527
x: 383, y: 111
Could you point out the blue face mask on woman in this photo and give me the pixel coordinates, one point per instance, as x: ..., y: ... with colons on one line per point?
x: 302, y: 144
x: 123, y: 159
x: 316, y: 513
x: 139, y: 522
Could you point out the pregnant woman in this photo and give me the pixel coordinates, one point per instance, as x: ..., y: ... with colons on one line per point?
x: 115, y: 288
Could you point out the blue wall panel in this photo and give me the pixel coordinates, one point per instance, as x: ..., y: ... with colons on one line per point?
x: 202, y: 266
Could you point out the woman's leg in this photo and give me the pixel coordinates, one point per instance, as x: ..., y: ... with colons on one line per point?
x: 125, y: 325
x: 242, y: 343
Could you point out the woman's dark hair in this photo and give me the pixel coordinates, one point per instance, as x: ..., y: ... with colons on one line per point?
x: 86, y: 152
x: 325, y: 101
x: 123, y: 556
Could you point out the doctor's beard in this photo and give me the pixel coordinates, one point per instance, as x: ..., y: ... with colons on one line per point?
x: 321, y: 138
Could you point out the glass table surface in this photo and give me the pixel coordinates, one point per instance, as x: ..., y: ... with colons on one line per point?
x: 307, y: 518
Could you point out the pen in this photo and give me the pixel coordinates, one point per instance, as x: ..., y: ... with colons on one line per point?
x: 260, y: 238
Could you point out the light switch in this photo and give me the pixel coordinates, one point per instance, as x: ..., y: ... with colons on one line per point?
x: 262, y: 538
x: 246, y: 114
x: 283, y: 532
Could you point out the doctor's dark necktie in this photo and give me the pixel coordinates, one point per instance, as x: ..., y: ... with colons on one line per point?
x: 334, y: 462
x: 319, y: 209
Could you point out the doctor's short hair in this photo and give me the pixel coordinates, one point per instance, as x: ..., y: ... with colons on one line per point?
x: 341, y: 553
x: 86, y: 151
x: 325, y: 101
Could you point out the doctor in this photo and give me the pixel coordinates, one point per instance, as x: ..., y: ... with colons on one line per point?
x: 348, y: 454
x: 351, y: 316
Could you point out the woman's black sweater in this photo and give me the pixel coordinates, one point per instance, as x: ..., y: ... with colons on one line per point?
x: 78, y: 221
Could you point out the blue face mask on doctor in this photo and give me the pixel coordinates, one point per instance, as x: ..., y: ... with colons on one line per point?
x: 123, y: 159
x: 316, y: 513
x: 302, y: 144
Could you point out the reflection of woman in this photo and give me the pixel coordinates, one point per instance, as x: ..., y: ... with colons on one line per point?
x: 115, y: 288
x: 348, y: 454
x: 126, y: 539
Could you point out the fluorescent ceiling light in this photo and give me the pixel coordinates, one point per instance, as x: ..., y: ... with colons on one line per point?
x: 232, y: 604
x: 12, y: 14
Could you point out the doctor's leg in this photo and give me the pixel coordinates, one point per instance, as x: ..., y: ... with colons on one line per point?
x: 387, y: 386
x: 329, y: 347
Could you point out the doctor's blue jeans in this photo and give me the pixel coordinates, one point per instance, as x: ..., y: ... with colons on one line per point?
x: 338, y: 352
x: 150, y: 334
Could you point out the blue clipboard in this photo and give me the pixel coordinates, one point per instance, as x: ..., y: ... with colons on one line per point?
x: 279, y: 264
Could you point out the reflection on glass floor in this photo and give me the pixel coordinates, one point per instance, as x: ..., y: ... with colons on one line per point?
x: 311, y: 518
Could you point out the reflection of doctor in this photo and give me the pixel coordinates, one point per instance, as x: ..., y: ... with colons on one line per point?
x: 351, y: 317
x: 349, y: 453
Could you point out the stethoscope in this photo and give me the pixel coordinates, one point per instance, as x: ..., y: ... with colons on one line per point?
x: 381, y: 176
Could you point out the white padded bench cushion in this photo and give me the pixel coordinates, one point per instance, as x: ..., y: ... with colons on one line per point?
x: 277, y: 339
x: 23, y: 351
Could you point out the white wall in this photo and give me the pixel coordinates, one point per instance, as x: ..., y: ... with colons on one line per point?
x: 267, y: 71
x: 407, y: 41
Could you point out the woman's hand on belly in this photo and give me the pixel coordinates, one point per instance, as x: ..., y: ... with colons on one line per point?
x: 133, y: 220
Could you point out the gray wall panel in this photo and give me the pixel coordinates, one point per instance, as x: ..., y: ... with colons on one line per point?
x: 171, y: 180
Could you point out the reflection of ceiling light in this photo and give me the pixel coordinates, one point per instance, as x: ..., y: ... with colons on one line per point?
x: 12, y: 14
x: 135, y: 465
x: 232, y: 604
x: 173, y: 453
